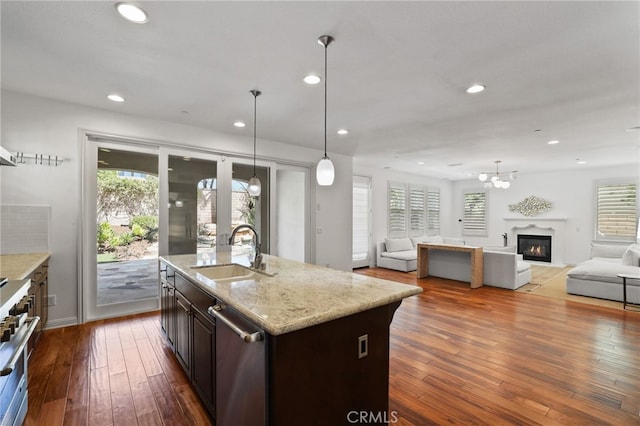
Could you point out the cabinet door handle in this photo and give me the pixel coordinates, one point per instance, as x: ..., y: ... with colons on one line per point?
x: 216, y: 311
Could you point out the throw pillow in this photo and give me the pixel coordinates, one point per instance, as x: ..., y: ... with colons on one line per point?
x: 631, y: 256
x: 418, y: 240
x: 397, y: 244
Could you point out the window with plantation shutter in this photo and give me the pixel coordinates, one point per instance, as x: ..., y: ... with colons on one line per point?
x: 616, y: 211
x: 361, y: 221
x: 475, y: 213
x: 417, y: 211
x: 397, y: 202
x: 433, y: 211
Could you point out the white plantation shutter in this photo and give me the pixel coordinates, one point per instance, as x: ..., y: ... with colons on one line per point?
x: 433, y: 211
x: 617, y: 211
x: 397, y: 203
x: 475, y: 213
x: 361, y: 221
x: 417, y: 211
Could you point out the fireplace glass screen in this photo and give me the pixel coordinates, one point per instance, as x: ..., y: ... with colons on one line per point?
x: 535, y: 247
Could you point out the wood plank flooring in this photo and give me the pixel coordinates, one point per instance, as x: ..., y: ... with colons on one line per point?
x: 486, y: 356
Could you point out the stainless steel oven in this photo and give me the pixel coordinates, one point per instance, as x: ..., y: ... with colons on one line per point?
x: 15, y: 329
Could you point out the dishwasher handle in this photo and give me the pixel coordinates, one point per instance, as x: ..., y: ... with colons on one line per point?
x: 216, y: 311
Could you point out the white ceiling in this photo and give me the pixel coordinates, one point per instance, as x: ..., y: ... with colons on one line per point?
x: 397, y: 75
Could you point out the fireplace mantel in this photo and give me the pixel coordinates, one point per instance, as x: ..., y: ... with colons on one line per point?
x: 554, y: 226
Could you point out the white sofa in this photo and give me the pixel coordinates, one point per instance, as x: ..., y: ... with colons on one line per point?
x: 597, y: 277
x: 502, y: 267
x: 401, y: 253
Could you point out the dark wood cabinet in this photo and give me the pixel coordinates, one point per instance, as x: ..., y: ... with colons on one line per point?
x: 39, y: 297
x: 190, y: 331
x: 183, y: 339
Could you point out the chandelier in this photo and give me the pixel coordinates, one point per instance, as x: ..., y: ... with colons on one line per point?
x: 494, y: 179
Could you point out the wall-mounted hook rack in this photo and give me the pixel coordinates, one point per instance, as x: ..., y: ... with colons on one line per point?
x: 38, y: 159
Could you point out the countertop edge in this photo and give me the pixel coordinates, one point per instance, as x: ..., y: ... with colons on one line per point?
x: 34, y: 260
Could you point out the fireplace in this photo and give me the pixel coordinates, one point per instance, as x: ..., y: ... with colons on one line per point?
x: 535, y: 247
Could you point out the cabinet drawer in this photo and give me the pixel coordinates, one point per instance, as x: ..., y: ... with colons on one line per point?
x: 198, y: 298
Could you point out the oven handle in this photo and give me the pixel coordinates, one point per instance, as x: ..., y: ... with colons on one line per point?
x: 33, y: 322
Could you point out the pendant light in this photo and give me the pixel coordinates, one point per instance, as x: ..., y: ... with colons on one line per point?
x: 254, y: 188
x: 325, y: 172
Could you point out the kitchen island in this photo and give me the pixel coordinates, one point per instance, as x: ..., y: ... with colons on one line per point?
x: 293, y: 344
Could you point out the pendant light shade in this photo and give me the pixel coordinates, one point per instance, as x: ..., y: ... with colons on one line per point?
x: 325, y: 172
x: 254, y: 188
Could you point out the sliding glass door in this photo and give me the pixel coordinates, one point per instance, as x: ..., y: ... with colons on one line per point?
x: 141, y: 201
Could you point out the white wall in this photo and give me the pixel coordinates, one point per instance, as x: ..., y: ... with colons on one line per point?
x: 37, y: 125
x: 291, y: 214
x: 571, y: 193
x: 379, y: 181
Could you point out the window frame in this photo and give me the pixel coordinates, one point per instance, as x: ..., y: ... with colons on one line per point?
x: 632, y: 236
x: 483, y: 231
x: 411, y: 228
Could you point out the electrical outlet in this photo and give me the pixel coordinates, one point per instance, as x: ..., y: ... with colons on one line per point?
x: 363, y: 346
x: 51, y: 300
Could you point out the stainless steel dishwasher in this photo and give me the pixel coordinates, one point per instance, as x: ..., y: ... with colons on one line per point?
x: 240, y: 369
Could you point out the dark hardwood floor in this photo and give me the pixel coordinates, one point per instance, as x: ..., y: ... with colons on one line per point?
x: 458, y: 356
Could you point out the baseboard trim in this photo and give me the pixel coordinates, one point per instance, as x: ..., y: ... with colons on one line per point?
x: 62, y: 322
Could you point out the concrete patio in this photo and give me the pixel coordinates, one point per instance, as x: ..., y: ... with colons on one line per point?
x: 127, y: 280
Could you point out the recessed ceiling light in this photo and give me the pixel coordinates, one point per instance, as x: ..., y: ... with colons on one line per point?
x: 311, y: 79
x: 554, y: 142
x: 239, y: 124
x: 131, y: 12
x: 579, y: 161
x: 421, y: 162
x: 632, y: 129
x: 343, y: 131
x: 476, y: 88
x: 115, y: 98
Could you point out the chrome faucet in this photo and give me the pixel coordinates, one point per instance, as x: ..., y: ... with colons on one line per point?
x: 257, y: 260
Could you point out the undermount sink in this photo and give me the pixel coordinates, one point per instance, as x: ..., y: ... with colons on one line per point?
x: 231, y: 272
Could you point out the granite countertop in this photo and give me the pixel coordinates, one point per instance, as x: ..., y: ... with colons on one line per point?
x: 20, y: 266
x: 296, y: 296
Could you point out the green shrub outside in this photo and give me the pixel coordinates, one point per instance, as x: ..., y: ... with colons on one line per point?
x: 147, y: 222
x: 105, y: 233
